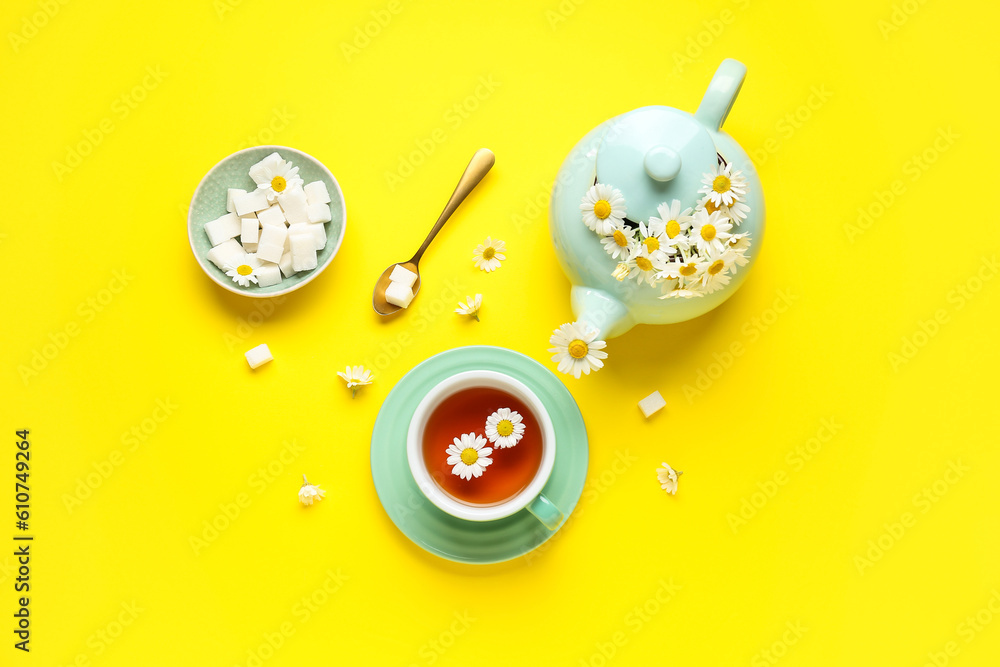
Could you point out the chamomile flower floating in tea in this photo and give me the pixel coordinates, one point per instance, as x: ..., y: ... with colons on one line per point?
x: 576, y: 351
x: 603, y: 208
x: 471, y: 306
x: 724, y: 187
x: 356, y: 377
x: 504, y: 428
x: 308, y: 493
x: 668, y: 478
x: 488, y: 254
x: 469, y: 456
x: 243, y: 270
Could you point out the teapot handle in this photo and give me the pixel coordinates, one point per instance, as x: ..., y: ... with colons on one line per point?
x: 721, y: 94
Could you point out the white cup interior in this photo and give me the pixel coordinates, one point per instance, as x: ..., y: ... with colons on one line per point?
x: 415, y: 438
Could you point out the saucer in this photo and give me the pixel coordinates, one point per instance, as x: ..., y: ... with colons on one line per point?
x: 438, y: 532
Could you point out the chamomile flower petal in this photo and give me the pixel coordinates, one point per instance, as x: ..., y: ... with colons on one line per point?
x: 471, y: 306
x: 355, y: 377
x: 469, y: 456
x: 715, y: 269
x: 309, y: 493
x: 603, y: 208
x: 576, y: 350
x: 505, y: 428
x: 488, y: 254
x: 243, y: 270
x: 620, y: 243
x: 709, y: 230
x: 277, y: 176
x: 723, y: 186
x: 667, y: 477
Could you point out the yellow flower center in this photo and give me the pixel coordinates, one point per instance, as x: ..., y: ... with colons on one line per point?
x: 652, y: 243
x: 673, y: 228
x: 489, y: 252
x: 688, y: 269
x: 278, y: 184
x: 716, y: 266
x: 469, y: 456
x: 602, y: 209
x: 721, y: 184
x: 644, y: 263
x: 620, y: 238
x: 711, y: 207
x: 504, y: 427
x: 577, y: 350
x: 244, y: 269
x: 708, y: 232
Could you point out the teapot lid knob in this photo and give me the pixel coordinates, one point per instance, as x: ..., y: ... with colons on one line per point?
x: 662, y: 163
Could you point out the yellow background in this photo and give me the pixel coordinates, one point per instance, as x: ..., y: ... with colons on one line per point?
x: 865, y: 98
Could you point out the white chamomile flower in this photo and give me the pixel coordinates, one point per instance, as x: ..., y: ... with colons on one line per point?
x: 469, y: 456
x: 277, y: 176
x: 488, y: 254
x: 504, y: 428
x: 682, y: 293
x: 715, y: 269
x: 684, y: 268
x: 308, y: 493
x: 739, y: 244
x: 654, y: 238
x: 575, y: 349
x: 244, y: 270
x: 621, y: 270
x: 667, y: 477
x: 471, y: 306
x: 603, y: 209
x: 723, y: 186
x: 355, y: 377
x: 643, y: 266
x: 709, y: 230
x: 620, y: 243
x: 737, y: 212
x: 675, y: 223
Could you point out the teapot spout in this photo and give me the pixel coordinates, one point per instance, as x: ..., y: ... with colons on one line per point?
x: 602, y: 311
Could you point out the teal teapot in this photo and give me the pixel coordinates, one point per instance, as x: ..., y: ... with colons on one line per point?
x: 650, y: 157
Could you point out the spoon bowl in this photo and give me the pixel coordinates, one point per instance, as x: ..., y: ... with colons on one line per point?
x: 383, y: 307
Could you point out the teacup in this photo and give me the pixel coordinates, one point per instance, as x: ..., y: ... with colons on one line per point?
x: 530, y: 497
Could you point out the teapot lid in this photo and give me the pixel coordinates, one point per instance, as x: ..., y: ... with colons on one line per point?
x: 654, y: 155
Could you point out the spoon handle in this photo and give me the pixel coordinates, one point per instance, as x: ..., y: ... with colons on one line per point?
x: 481, y: 163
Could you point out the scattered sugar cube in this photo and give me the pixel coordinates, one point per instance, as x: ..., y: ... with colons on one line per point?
x: 268, y: 274
x: 303, y: 249
x: 399, y: 294
x: 318, y: 212
x: 250, y: 231
x: 250, y: 202
x: 286, y: 264
x: 652, y: 404
x: 317, y: 230
x: 230, y: 193
x: 293, y: 205
x: 222, y: 229
x: 272, y: 215
x: 259, y: 356
x: 258, y: 172
x: 316, y: 193
x: 402, y: 275
x: 226, y: 253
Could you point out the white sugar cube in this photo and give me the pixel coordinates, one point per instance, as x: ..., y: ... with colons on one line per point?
x: 259, y: 356
x: 258, y: 172
x: 402, y: 275
x: 250, y: 202
x: 250, y: 247
x: 274, y: 236
x: 250, y: 231
x: 226, y: 254
x: 272, y: 216
x: 286, y: 264
x: 318, y: 232
x: 230, y: 193
x: 652, y: 404
x: 293, y: 205
x: 269, y: 253
x: 268, y: 274
x: 398, y: 294
x: 222, y: 229
x: 318, y: 212
x: 316, y: 193
x: 303, y: 249
x: 249, y: 216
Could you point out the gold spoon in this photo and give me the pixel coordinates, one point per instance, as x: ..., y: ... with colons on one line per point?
x: 481, y: 163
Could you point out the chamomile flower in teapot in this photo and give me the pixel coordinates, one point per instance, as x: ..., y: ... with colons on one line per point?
x: 656, y: 216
